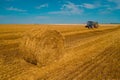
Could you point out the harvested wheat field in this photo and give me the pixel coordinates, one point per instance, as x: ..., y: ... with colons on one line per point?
x: 59, y: 52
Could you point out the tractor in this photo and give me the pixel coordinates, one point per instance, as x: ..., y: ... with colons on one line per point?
x: 92, y: 24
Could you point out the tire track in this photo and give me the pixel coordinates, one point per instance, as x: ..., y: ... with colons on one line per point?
x: 72, y: 39
x: 112, y: 49
x: 85, y: 67
x: 101, y: 69
x: 95, y: 64
x: 103, y: 72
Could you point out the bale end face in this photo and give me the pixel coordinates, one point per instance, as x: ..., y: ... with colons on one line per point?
x: 42, y: 47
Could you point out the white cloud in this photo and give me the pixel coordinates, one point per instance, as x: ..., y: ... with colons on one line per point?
x: 88, y: 6
x: 15, y: 9
x: 42, y: 6
x: 68, y: 9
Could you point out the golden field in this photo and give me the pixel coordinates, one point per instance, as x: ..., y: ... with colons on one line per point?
x: 88, y: 54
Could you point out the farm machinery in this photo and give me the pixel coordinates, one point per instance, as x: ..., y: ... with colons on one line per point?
x: 92, y: 24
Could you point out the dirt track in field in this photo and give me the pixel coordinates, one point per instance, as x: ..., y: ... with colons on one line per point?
x: 91, y: 55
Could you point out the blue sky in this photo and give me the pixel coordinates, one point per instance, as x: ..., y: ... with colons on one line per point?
x: 59, y: 11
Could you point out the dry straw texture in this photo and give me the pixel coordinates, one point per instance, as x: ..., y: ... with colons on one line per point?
x: 42, y: 46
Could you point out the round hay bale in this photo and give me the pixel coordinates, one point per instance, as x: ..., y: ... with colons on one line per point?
x: 42, y: 46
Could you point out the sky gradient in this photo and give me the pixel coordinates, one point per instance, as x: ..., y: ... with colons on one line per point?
x: 59, y: 11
